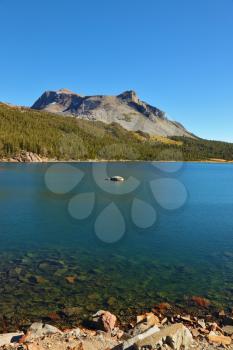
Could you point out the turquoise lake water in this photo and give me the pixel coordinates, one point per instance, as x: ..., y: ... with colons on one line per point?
x: 165, y: 234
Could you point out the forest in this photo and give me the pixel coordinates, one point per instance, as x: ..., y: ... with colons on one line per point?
x: 69, y: 138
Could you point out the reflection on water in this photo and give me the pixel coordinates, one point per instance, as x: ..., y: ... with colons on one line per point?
x: 50, y: 260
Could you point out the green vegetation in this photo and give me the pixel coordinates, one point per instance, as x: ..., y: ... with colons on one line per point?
x: 65, y: 138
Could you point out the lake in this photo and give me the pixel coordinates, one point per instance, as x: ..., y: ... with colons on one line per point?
x: 71, y: 238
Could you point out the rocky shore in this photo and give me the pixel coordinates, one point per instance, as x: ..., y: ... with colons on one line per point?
x: 26, y: 157
x: 30, y: 157
x: 159, y: 329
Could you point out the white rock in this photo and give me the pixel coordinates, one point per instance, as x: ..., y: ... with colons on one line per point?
x: 176, y: 336
x: 150, y: 332
x: 39, y: 329
x: 75, y: 333
x: 9, y: 338
x: 117, y: 178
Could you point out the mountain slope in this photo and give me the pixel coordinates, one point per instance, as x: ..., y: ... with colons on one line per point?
x: 66, y: 138
x: 125, y: 109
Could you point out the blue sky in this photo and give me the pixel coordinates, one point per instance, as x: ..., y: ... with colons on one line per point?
x: 177, y: 54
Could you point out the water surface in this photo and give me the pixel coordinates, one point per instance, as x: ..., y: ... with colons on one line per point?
x: 188, y: 251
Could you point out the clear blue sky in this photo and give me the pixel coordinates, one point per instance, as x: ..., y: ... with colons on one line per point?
x: 177, y: 54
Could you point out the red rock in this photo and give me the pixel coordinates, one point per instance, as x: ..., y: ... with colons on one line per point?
x: 164, y: 306
x: 201, y: 301
x: 107, y: 320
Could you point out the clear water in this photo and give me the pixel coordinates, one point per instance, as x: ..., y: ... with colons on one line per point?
x: 188, y: 251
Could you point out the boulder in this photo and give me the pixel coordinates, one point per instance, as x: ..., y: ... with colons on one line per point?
x: 105, y: 320
x: 139, y: 337
x: 117, y: 178
x: 38, y: 330
x: 176, y: 336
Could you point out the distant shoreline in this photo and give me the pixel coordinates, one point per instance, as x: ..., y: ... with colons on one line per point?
x: 210, y: 161
x: 30, y: 157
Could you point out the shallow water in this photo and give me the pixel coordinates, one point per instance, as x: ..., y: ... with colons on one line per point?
x: 176, y: 241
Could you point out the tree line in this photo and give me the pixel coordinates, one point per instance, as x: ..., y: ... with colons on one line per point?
x: 65, y: 138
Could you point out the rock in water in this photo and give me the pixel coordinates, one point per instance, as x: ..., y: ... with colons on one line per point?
x: 117, y: 178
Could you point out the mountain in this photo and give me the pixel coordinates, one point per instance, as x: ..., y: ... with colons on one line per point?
x: 125, y: 109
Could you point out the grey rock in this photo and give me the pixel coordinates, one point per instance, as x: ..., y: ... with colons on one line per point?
x: 228, y: 330
x: 24, y: 157
x: 202, y: 323
x: 75, y: 333
x: 117, y: 178
x: 125, y: 109
x: 228, y: 321
x: 39, y: 329
x: 140, y: 337
x: 176, y: 336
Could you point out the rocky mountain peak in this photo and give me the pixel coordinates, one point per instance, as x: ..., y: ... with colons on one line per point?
x: 125, y: 109
x: 129, y: 96
x: 66, y: 91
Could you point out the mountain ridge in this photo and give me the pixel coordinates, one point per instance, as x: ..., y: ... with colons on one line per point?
x: 125, y: 109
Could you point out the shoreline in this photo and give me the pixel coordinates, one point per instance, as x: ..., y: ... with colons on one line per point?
x: 30, y: 157
x: 208, y: 161
x: 204, y: 329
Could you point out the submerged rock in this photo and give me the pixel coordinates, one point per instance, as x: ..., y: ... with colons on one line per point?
x: 203, y: 302
x: 50, y: 266
x: 71, y: 279
x: 72, y: 311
